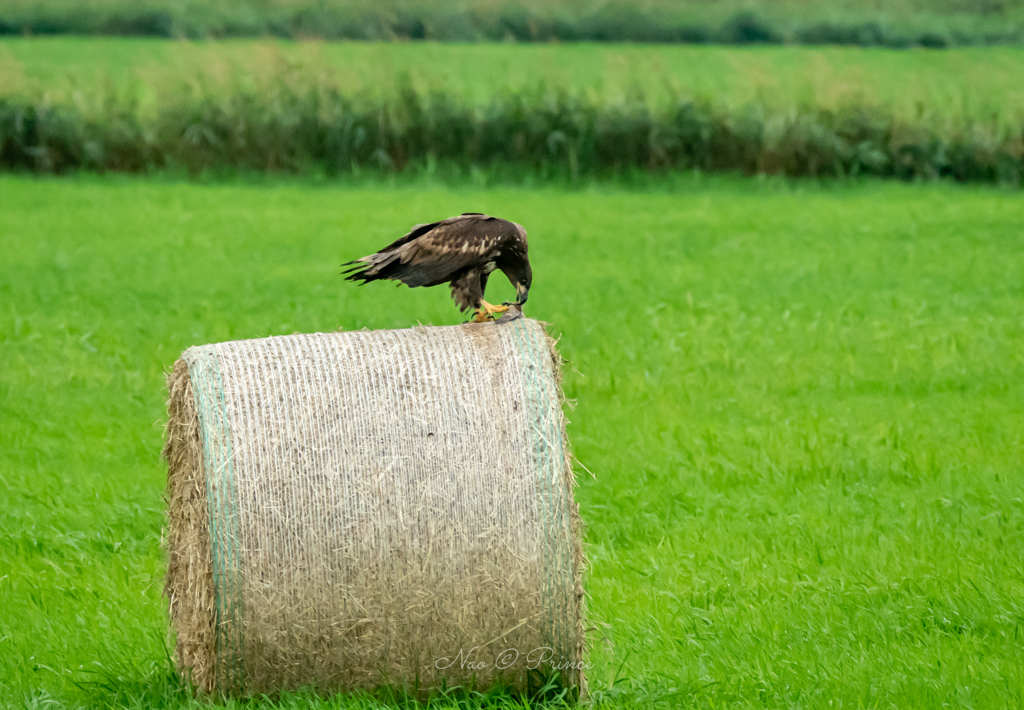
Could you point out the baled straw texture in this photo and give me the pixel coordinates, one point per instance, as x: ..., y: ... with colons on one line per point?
x: 352, y: 510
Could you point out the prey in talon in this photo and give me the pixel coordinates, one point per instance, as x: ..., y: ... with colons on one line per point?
x: 460, y: 251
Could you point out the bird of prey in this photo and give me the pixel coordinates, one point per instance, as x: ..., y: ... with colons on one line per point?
x: 461, y: 251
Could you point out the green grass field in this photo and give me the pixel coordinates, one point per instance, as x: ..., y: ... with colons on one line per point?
x: 803, y: 406
x: 981, y: 84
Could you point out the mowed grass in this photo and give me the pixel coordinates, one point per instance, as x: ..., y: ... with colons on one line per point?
x: 976, y: 84
x: 803, y: 407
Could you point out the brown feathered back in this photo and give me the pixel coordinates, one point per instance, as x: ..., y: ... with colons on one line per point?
x: 464, y: 248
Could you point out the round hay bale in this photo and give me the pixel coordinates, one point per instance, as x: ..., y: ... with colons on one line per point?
x: 354, y: 510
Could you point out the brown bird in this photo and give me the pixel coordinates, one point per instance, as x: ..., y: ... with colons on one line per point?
x: 462, y: 251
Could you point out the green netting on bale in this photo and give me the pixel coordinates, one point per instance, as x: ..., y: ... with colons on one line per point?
x: 387, y: 507
x: 222, y: 496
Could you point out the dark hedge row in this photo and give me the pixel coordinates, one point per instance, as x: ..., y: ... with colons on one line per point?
x: 621, y: 20
x: 548, y: 135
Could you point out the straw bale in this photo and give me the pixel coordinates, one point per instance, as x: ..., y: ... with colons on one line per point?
x: 352, y: 510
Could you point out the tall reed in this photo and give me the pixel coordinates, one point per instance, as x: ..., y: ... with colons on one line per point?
x: 295, y: 126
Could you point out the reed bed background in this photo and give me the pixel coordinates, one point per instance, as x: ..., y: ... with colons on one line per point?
x: 981, y: 84
x: 296, y: 124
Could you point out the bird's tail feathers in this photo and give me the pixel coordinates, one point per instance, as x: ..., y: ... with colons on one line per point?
x: 370, y: 267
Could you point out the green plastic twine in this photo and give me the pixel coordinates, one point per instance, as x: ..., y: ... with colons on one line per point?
x: 222, y: 500
x: 548, y: 454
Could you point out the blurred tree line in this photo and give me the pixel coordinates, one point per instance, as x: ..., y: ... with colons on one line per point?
x: 896, y: 23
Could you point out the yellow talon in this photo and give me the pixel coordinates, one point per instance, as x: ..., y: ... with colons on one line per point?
x: 487, y: 311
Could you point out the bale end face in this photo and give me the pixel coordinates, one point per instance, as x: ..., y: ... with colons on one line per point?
x: 189, y: 586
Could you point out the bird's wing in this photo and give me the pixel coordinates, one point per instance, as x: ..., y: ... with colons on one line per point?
x: 418, y: 230
x: 431, y: 254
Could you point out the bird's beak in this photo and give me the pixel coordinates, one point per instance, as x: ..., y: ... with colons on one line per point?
x: 522, y: 292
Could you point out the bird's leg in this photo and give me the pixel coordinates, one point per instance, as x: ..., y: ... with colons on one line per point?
x: 487, y: 311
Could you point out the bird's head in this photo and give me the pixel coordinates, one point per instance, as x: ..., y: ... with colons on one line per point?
x: 520, y: 273
x: 522, y: 284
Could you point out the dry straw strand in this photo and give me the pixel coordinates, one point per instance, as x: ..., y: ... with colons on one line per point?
x: 349, y: 510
